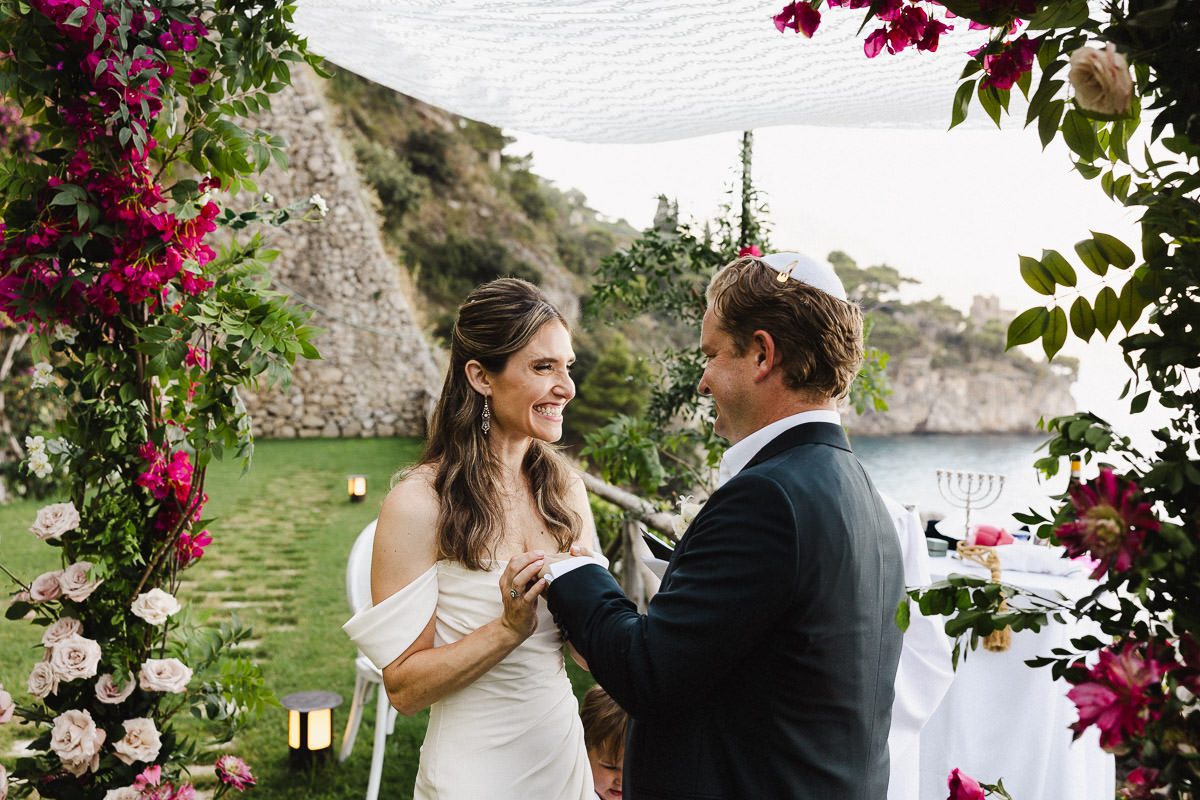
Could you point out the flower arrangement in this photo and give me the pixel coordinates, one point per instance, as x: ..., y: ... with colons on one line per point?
x: 141, y: 332
x: 1140, y: 521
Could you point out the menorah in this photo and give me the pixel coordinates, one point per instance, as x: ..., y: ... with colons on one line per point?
x: 969, y: 490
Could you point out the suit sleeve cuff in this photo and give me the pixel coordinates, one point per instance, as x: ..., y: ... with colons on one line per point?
x: 560, y: 568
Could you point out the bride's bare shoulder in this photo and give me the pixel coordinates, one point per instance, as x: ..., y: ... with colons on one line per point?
x: 406, y: 533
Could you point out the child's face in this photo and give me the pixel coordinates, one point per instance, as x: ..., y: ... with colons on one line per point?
x: 606, y: 775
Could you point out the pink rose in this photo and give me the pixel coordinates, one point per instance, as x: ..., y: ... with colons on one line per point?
x: 75, y: 657
x: 76, y: 740
x: 108, y: 692
x: 1101, y: 80
x: 61, y: 629
x: 164, y: 675
x: 74, y: 582
x: 964, y: 787
x: 45, y: 587
x: 7, y: 707
x: 141, y: 741
x: 43, y: 680
x: 55, y: 520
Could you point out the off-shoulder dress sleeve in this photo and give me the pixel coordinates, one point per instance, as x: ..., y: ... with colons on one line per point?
x: 384, y: 631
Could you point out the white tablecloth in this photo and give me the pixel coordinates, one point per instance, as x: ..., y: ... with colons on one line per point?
x: 1004, y: 719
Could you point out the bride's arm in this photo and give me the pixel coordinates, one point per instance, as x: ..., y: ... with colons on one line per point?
x: 405, y: 548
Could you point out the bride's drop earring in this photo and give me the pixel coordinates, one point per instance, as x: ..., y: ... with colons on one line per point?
x: 486, y: 425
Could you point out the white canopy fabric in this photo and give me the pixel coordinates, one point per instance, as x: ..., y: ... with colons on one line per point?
x: 636, y: 71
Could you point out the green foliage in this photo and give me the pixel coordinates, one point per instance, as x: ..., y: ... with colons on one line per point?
x: 426, y: 150
x: 1147, y: 600
x: 447, y: 271
x: 610, y: 380
x: 526, y: 189
x: 148, y: 331
x: 400, y: 190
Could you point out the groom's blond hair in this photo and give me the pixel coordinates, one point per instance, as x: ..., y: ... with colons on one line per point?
x: 819, y: 337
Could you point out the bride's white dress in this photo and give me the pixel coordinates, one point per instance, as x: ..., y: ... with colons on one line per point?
x: 514, y: 734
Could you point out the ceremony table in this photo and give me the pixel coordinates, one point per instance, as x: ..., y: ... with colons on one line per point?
x: 1004, y: 719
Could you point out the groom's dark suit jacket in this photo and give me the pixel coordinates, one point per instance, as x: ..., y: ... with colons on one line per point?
x: 763, y: 667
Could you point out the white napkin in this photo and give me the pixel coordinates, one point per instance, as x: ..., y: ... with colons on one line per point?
x: 1036, y: 558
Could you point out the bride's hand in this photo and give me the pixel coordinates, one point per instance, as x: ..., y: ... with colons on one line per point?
x: 519, y: 589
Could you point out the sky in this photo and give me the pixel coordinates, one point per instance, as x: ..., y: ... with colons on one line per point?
x: 952, y: 209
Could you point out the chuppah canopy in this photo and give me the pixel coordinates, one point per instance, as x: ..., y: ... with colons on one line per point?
x: 635, y: 71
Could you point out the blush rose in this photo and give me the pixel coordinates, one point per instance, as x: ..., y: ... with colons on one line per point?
x: 155, y: 606
x: 164, y: 675
x: 76, y: 740
x: 141, y: 741
x: 1101, y: 80
x: 55, y: 520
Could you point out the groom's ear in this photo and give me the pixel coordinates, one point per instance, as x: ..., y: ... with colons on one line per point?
x: 766, y: 356
x: 478, y: 377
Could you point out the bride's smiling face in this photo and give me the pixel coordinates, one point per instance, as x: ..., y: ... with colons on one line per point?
x: 528, y: 396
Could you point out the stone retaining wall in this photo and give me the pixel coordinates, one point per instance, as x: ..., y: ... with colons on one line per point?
x: 377, y: 376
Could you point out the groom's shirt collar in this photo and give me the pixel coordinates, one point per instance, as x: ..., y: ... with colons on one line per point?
x: 738, y: 456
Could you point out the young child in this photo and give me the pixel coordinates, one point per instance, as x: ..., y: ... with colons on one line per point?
x: 604, y: 735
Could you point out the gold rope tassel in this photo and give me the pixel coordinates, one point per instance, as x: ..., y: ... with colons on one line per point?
x: 996, y: 641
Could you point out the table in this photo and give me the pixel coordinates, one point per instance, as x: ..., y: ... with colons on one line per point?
x: 1004, y: 719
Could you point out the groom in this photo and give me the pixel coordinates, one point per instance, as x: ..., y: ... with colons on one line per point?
x: 763, y: 667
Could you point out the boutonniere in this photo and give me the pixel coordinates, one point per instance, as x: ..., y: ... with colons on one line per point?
x: 687, y: 512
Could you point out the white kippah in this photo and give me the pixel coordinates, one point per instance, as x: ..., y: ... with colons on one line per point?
x: 805, y: 270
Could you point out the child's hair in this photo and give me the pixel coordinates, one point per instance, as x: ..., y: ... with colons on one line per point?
x: 603, y: 724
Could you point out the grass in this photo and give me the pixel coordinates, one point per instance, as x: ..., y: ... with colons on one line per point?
x: 281, y: 537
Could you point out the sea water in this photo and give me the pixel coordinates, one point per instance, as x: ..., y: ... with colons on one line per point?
x: 905, y: 468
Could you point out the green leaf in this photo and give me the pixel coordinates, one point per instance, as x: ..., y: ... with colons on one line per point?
x: 1083, y: 319
x: 1037, y: 276
x: 1114, y: 250
x: 1055, y: 335
x: 1130, y: 304
x: 1059, y: 268
x: 1027, y: 327
x: 903, y: 613
x: 962, y: 101
x: 1092, y: 256
x: 1048, y: 121
x: 1041, y: 98
x: 1106, y: 311
x: 1079, y: 134
x: 990, y: 99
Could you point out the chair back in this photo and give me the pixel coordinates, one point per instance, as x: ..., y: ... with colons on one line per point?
x: 358, y: 569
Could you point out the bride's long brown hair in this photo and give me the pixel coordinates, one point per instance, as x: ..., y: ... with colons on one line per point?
x: 495, y: 321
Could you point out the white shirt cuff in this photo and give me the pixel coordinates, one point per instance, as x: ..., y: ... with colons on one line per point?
x: 560, y: 568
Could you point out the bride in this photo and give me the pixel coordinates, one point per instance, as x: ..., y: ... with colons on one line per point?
x: 457, y: 623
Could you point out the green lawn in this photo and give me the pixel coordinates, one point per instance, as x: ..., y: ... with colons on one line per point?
x: 281, y: 536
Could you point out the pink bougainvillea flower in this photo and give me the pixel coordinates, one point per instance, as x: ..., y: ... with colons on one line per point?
x: 752, y: 250
x: 800, y: 17
x: 1110, y: 524
x: 1005, y: 68
x: 1121, y: 693
x: 1140, y: 784
x: 963, y: 786
x: 198, y: 76
x: 875, y: 42
x: 196, y: 357
x: 191, y: 546
x: 233, y: 771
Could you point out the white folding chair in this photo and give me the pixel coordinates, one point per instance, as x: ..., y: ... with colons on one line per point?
x: 368, y: 676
